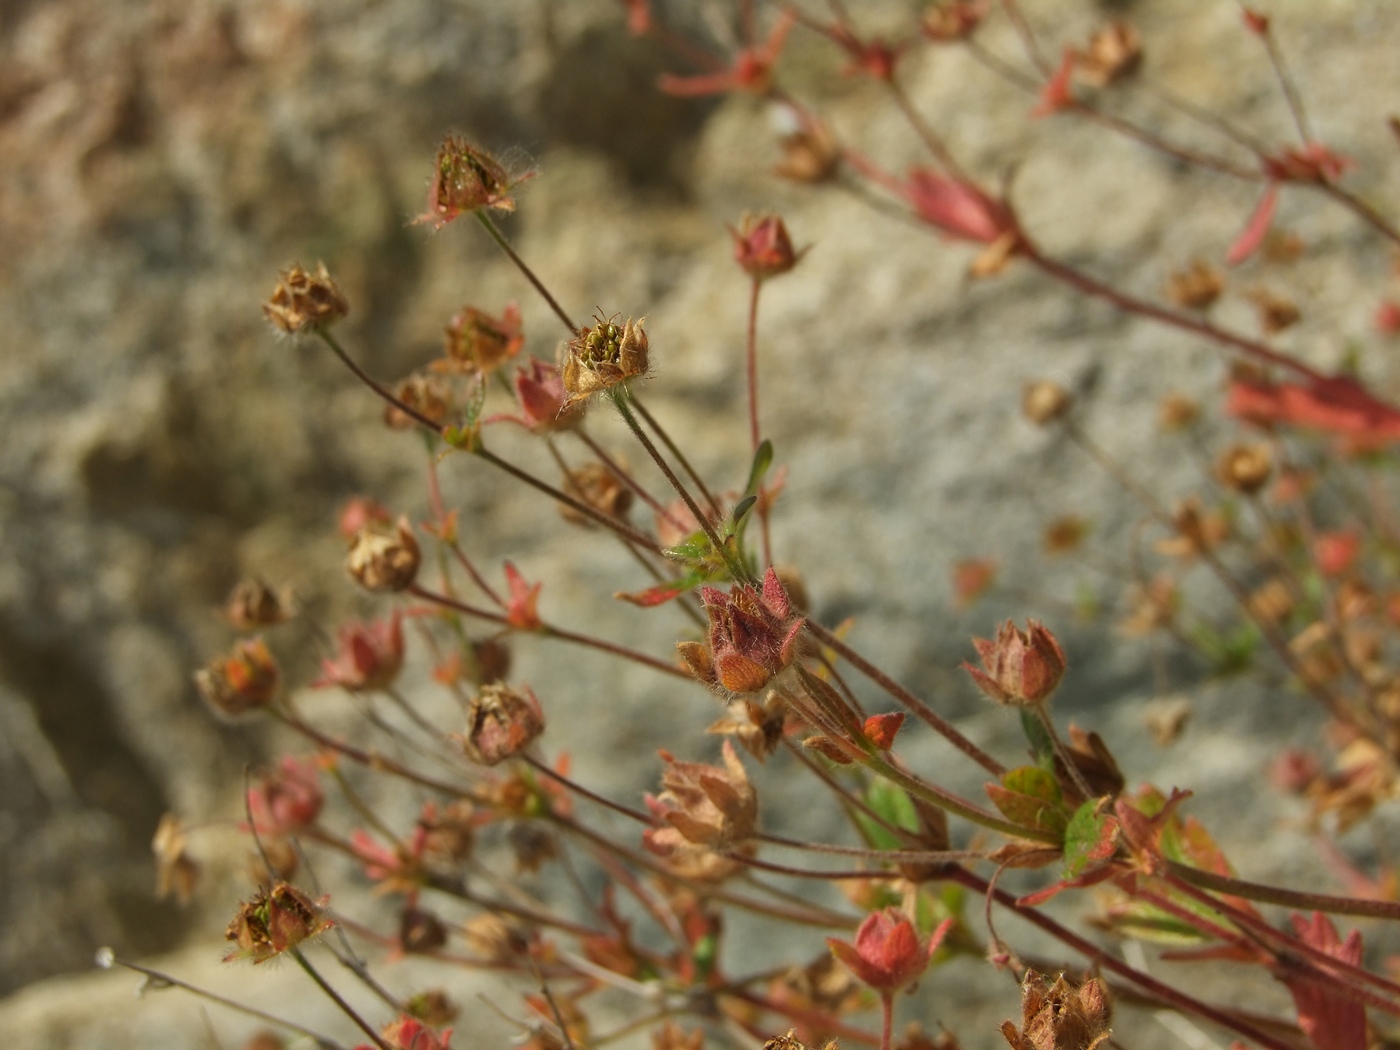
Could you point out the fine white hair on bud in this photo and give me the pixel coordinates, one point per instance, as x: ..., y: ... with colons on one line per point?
x: 105, y: 958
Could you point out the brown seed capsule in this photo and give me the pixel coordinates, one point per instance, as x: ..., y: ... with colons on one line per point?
x: 482, y: 343
x: 1044, y: 401
x: 809, y: 156
x: 600, y: 488
x: 253, y: 603
x: 604, y: 355
x: 1197, y: 287
x: 501, y: 722
x: 1060, y: 1015
x: 243, y: 681
x: 429, y: 396
x: 382, y: 559
x: 305, y: 301
x: 273, y: 921
x: 1245, y: 468
x: 1275, y: 312
x: 1114, y: 52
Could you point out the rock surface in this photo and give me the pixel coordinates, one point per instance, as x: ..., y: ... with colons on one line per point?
x: 165, y: 159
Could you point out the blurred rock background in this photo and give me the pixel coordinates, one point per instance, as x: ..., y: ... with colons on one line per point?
x: 163, y: 160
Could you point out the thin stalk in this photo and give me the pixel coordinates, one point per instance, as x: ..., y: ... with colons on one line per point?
x: 886, y: 1019
x: 505, y: 246
x: 375, y: 385
x: 1290, y: 93
x: 675, y: 450
x: 601, y: 644
x: 956, y: 804
x: 930, y: 138
x: 625, y: 477
x: 751, y: 359
x: 1256, y: 891
x: 1042, y: 714
x: 335, y: 997
x: 908, y: 699
x: 194, y: 989
x: 620, y: 399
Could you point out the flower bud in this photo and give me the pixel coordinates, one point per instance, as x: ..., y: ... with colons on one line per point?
x: 274, y: 921
x: 465, y: 178
x: 369, y: 657
x: 762, y: 246
x: 601, y: 357
x: 752, y: 635
x: 243, y: 681
x: 252, y: 604
x: 1019, y: 668
x: 381, y: 559
x: 501, y: 722
x: 888, y: 952
x: 305, y: 301
x: 544, y: 405
x: 1045, y: 401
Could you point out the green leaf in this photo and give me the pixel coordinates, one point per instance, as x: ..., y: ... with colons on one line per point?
x: 1090, y: 838
x: 1029, y: 796
x: 762, y: 460
x: 1041, y: 745
x: 743, y: 507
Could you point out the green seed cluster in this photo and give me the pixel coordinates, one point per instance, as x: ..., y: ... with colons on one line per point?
x: 603, y: 343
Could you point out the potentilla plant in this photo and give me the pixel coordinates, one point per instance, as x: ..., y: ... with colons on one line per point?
x: 921, y: 865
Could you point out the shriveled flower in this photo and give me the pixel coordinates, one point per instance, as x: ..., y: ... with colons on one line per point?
x: 544, y: 403
x: 478, y: 342
x: 713, y: 808
x: 273, y: 921
x: 810, y: 154
x: 288, y: 799
x: 1019, y: 667
x: 1197, y: 531
x: 752, y: 636
x: 305, y: 301
x: 465, y: 178
x: 409, y: 1033
x: 369, y: 656
x: 501, y: 722
x: 176, y: 872
x: 253, y: 603
x: 1059, y: 1016
x: 598, y: 486
x: 762, y: 246
x: 243, y: 681
x: 384, y: 559
x: 496, y: 938
x: 952, y: 20
x: 1113, y: 52
x: 1245, y: 468
x: 1197, y: 287
x: 1045, y: 401
x: 603, y: 355
x: 450, y: 832
x: 1275, y: 312
x: 888, y: 952
x: 427, y: 395
x: 420, y: 931
x: 758, y: 726
x: 1177, y: 412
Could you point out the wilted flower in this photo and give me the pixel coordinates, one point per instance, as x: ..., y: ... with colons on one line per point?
x: 544, y: 403
x: 598, y: 486
x: 601, y: 357
x: 175, y: 871
x: 1045, y: 401
x: 383, y: 559
x: 482, y: 343
x: 1019, y: 668
x: 369, y: 657
x: 1113, y: 52
x: 1245, y: 468
x: 1197, y: 531
x: 421, y: 931
x: 305, y: 301
x: 1058, y: 1016
x: 243, y: 681
x: 713, y: 808
x: 888, y: 953
x: 427, y: 395
x: 762, y: 246
x: 1197, y: 287
x: 253, y: 603
x: 465, y: 178
x: 287, y: 800
x: 501, y: 722
x: 752, y: 636
x: 274, y: 921
x: 758, y: 726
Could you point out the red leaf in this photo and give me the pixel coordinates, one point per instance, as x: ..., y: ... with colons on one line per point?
x: 1252, y: 236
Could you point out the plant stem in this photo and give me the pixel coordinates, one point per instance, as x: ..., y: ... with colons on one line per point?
x: 375, y: 385
x: 675, y: 450
x: 1256, y: 891
x: 345, y: 1007
x: 1042, y: 714
x: 500, y: 239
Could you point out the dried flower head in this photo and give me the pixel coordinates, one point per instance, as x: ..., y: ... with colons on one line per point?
x: 1058, y: 1016
x: 1044, y: 401
x: 603, y: 355
x: 1113, y: 52
x: 1275, y: 312
x: 273, y: 921
x: 465, y: 178
x: 421, y: 931
x: 501, y: 722
x: 1177, y: 412
x: 1245, y: 468
x: 1197, y: 287
x: 752, y: 636
x: 599, y: 487
x: 243, y: 681
x: 384, y: 559
x: 1197, y: 531
x: 758, y: 726
x: 762, y: 246
x: 810, y: 154
x: 253, y: 603
x: 478, y: 342
x: 951, y: 20
x: 449, y: 832
x: 409, y: 1033
x: 710, y: 808
x: 1019, y: 667
x: 369, y: 656
x: 175, y: 872
x: 305, y: 301
x: 1272, y: 601
x: 427, y: 395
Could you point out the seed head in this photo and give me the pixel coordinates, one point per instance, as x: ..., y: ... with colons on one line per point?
x: 1059, y: 1016
x: 762, y: 246
x: 1196, y: 287
x: 1245, y: 468
x: 305, y: 301
x: 243, y: 681
x: 465, y: 178
x: 1113, y: 53
x: 1021, y: 668
x: 274, y: 921
x: 601, y: 357
x: 426, y: 395
x: 501, y: 722
x: 384, y: 559
x: 253, y: 603
x: 478, y: 342
x: 1044, y: 401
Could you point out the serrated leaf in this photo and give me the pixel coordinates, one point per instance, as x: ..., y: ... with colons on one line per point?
x: 1030, y: 797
